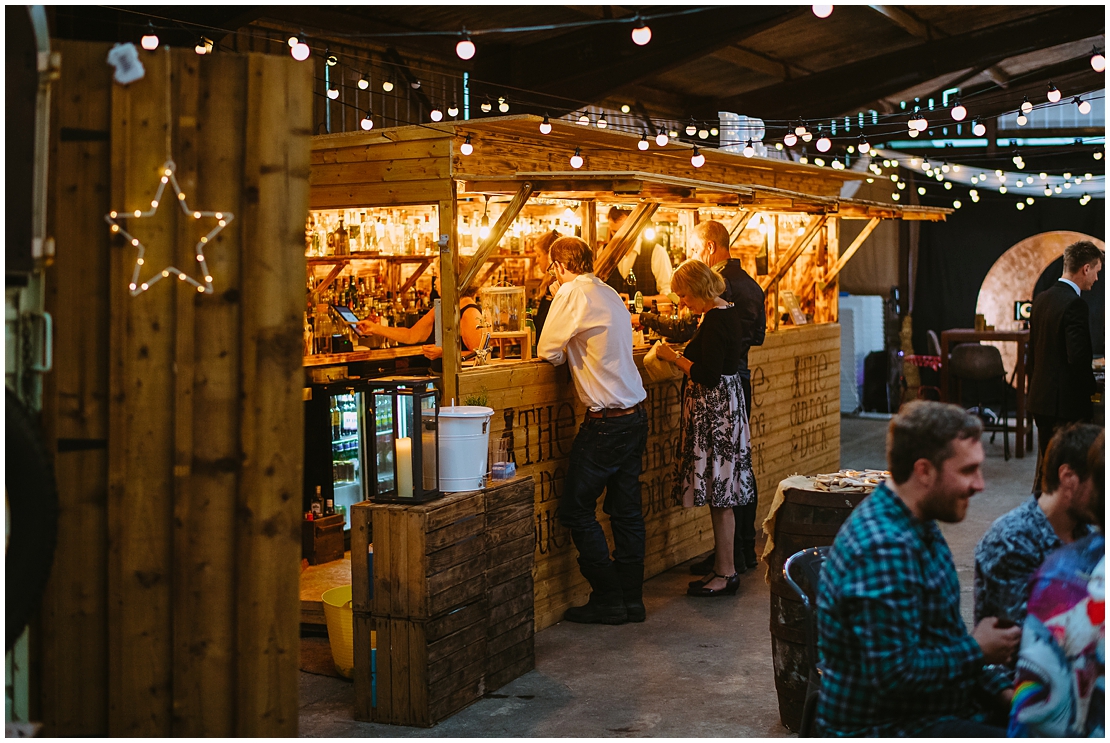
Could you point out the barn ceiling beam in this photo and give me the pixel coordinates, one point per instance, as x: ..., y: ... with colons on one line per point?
x: 834, y: 92
x: 589, y: 64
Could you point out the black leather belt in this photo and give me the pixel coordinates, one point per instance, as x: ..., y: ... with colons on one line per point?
x: 614, y: 412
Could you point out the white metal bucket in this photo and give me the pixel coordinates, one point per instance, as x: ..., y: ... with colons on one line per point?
x: 463, y: 447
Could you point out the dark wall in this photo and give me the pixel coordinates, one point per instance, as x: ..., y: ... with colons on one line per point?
x: 955, y: 256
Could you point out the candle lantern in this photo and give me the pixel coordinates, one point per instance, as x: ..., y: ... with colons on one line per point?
x: 404, y: 455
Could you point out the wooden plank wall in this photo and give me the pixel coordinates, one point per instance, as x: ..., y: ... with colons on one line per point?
x: 177, y: 415
x: 795, y: 425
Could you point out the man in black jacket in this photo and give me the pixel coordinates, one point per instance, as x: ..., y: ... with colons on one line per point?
x: 1059, y: 365
x: 709, y: 244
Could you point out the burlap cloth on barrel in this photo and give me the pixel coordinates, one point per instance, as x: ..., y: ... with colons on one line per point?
x: 802, y: 482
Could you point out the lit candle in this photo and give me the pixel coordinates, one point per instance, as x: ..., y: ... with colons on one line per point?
x: 404, y: 467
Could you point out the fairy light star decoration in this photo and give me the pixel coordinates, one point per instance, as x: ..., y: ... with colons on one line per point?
x: 168, y: 176
x: 136, y: 286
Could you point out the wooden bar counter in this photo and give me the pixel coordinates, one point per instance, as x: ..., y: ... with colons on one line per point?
x: 795, y: 427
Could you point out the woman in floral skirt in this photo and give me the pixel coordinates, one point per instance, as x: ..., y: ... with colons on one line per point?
x: 714, y: 464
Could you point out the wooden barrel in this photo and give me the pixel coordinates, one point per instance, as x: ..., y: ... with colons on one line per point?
x: 807, y: 518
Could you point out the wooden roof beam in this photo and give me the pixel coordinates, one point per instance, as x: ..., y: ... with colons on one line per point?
x: 625, y: 238
x: 847, y: 256
x: 816, y: 223
x: 495, y: 234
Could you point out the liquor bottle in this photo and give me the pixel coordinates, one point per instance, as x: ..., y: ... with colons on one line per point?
x: 342, y: 240
x: 317, y: 507
x: 336, y: 420
x: 638, y: 301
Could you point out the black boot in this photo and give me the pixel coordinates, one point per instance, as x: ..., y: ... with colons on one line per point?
x: 606, y: 604
x: 750, y: 560
x: 632, y: 590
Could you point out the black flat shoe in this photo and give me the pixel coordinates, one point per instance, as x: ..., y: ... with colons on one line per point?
x: 732, y: 585
x: 702, y: 581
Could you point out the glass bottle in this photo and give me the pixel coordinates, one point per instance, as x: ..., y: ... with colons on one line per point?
x: 342, y: 241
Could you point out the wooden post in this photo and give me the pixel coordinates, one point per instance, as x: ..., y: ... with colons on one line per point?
x: 625, y: 238
x: 590, y: 223
x: 783, y: 265
x: 495, y: 234
x: 449, y: 298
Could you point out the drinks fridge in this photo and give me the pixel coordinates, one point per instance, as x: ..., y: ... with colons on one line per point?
x: 335, y: 447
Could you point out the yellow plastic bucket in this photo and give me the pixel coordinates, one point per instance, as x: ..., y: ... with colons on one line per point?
x: 341, y: 632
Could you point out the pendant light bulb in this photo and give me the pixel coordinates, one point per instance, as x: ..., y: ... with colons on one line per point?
x: 584, y: 120
x: 800, y: 129
x: 749, y: 149
x: 1053, y: 93
x: 959, y: 112
x: 691, y: 129
x: 864, y: 146
x: 466, y: 147
x: 643, y: 143
x: 978, y: 128
x: 1022, y: 119
x: 703, y: 134
x: 487, y: 106
x: 367, y: 123
x: 204, y: 46
x: 465, y: 48
x: 1026, y: 106
x: 1084, y: 106
x: 661, y: 139
x: 150, y: 39
x: 790, y: 139
x: 641, y: 34
x: 502, y: 105
x: 300, y: 51
x: 545, y: 125
x: 822, y: 11
x: 576, y: 158
x: 292, y: 41
x: 824, y: 144
x: 387, y: 85
x: 363, y: 83
x: 333, y: 93
x: 601, y: 122
x: 698, y: 159
x: 807, y: 136
x: 1098, y: 62
x: 434, y: 115
x: 453, y: 110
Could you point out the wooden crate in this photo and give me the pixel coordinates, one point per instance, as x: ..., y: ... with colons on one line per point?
x: 322, y: 539
x: 451, y: 602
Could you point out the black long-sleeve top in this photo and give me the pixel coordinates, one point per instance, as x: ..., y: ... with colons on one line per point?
x: 715, y: 349
x: 740, y: 289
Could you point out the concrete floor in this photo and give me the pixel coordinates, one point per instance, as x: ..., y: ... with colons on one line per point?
x: 695, y: 668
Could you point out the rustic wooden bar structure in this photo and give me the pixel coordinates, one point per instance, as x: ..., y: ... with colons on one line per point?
x: 795, y: 374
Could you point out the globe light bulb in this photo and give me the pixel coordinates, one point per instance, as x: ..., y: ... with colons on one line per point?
x: 1026, y: 106
x: 333, y: 93
x: 601, y: 122
x: 864, y: 146
x: 914, y: 134
x: 956, y: 204
x: 959, y: 112
x: 922, y: 123
x: 1053, y: 93
x: 1084, y: 107
x: 502, y: 105
x: 292, y: 41
x: 584, y: 120
x: 978, y: 128
x: 921, y: 190
x: 822, y: 11
x: 1029, y: 200
x: 434, y: 115
x: 661, y: 139
x: 487, y: 107
x: 576, y: 159
x: 944, y: 168
x: 824, y: 144
x: 150, y: 39
x: 1020, y: 205
x: 641, y: 35
x: 643, y: 143
x: 947, y: 185
x: 203, y: 46
x: 1098, y: 62
x: 713, y: 131
x: 800, y: 129
x: 545, y: 126
x: 698, y: 159
x: 300, y: 51
x: 465, y: 48
x: 749, y: 149
x: 625, y: 108
x: 896, y: 196
x: 466, y: 147
x: 790, y: 139
x: 703, y: 134
x: 387, y: 85
x: 367, y: 123
x: 691, y: 129
x: 453, y: 110
x: 807, y: 136
x: 1097, y: 154
x: 331, y: 59
x: 1022, y: 120
x: 363, y: 83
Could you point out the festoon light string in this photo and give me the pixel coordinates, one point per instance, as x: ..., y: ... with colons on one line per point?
x: 168, y: 176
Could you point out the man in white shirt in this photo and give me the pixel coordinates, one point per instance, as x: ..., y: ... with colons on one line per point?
x: 588, y: 328
x: 645, y: 268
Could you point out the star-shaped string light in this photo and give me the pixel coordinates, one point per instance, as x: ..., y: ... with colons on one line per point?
x: 222, y: 220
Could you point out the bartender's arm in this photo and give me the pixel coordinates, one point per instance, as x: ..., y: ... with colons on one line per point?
x: 679, y: 330
x: 418, y: 333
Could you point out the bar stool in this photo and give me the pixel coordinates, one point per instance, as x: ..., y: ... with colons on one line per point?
x: 976, y: 363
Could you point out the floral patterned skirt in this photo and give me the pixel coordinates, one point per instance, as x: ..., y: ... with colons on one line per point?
x: 714, y: 462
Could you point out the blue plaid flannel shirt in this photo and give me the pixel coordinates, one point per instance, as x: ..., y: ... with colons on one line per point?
x: 895, y: 654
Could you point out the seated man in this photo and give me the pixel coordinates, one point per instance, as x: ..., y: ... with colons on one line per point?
x: 1018, y: 542
x: 896, y: 658
x: 1061, y: 685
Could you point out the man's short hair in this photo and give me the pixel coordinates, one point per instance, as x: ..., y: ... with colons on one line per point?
x: 1069, y: 445
x: 573, y: 253
x: 1077, y: 255
x: 924, y: 429
x: 616, y: 214
x: 1096, y: 465
x: 713, y: 231
x: 696, y: 279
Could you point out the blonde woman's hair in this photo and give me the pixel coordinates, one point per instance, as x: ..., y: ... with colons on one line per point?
x: 696, y: 279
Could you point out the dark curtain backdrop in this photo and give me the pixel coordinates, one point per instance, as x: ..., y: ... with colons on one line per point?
x: 955, y: 256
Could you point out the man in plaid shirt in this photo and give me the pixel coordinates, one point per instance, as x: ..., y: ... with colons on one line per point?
x: 896, y: 658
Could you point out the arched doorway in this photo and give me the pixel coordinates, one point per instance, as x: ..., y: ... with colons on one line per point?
x: 1013, y: 278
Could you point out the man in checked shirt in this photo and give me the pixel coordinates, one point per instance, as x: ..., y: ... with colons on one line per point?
x: 896, y: 658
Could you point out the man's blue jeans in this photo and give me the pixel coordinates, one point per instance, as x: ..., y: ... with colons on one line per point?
x: 607, y: 455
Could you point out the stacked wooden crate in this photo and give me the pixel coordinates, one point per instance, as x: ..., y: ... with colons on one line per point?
x: 451, y: 601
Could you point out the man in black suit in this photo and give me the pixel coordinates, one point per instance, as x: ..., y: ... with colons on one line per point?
x: 1059, y: 365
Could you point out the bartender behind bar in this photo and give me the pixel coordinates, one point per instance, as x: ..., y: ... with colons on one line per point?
x: 644, y: 269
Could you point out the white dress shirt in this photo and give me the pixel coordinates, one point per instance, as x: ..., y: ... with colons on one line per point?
x: 1072, y: 284
x: 588, y: 326
x: 660, y: 266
